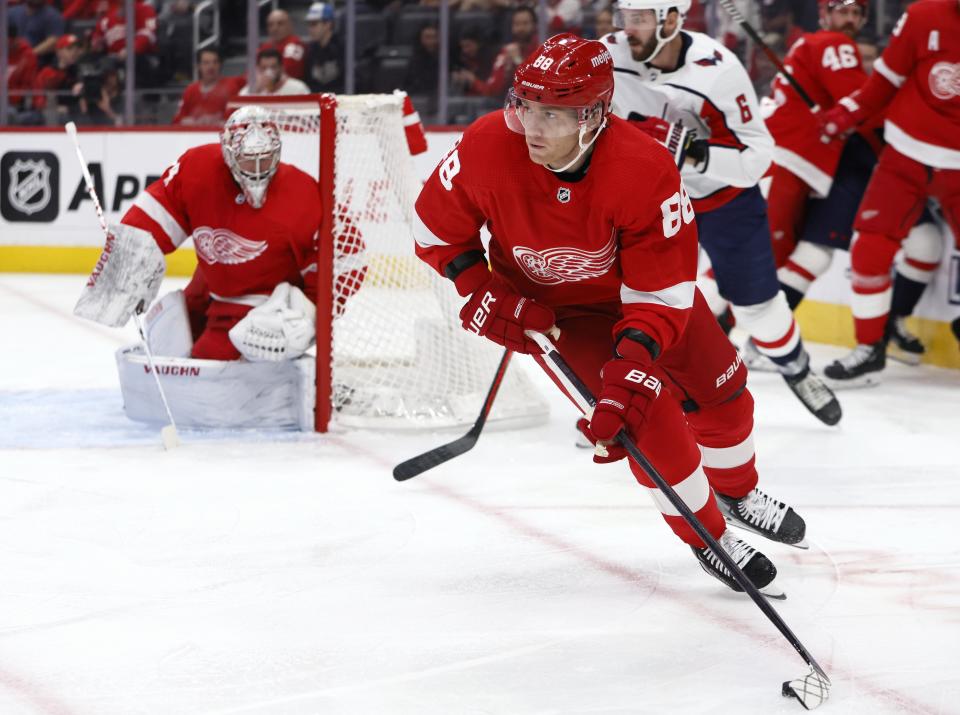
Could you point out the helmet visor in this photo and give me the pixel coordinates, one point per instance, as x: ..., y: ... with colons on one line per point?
x: 550, y: 121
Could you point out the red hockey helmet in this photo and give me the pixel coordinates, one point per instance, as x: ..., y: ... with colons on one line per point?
x: 565, y: 71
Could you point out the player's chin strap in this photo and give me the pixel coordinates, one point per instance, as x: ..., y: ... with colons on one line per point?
x: 583, y: 147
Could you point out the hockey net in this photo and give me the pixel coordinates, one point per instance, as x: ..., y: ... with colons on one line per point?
x: 390, y: 349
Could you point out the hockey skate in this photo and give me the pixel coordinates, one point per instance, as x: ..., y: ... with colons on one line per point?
x: 815, y: 396
x: 755, y: 566
x: 755, y: 360
x: 904, y: 346
x: 764, y: 515
x: 859, y: 368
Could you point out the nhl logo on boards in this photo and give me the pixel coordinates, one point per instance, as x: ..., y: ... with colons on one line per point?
x: 29, y: 186
x: 563, y: 195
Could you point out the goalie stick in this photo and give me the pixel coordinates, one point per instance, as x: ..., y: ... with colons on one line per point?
x: 445, y: 452
x: 771, y: 55
x: 168, y: 434
x: 812, y: 689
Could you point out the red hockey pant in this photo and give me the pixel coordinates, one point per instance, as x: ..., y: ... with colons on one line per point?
x: 694, y: 414
x: 785, y: 205
x: 895, y: 197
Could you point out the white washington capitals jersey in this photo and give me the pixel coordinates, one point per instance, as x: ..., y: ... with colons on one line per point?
x: 709, y: 93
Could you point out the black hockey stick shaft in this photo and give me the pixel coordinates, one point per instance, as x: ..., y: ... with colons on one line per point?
x: 771, y: 55
x: 586, y: 401
x: 445, y: 452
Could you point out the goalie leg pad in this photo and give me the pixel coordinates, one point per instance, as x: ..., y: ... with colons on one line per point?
x: 217, y: 393
x: 128, y: 273
x: 167, y: 326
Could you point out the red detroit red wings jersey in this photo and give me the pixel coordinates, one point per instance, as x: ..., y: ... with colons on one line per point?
x: 923, y: 61
x: 624, y: 232
x: 827, y: 66
x: 241, y: 250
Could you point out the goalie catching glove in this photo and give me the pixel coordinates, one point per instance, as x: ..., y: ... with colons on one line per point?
x: 494, y: 310
x: 283, y: 328
x: 126, y: 278
x: 627, y: 393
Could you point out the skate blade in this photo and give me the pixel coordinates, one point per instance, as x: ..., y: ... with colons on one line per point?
x: 802, y: 544
x: 902, y: 356
x: 771, y: 590
x: 856, y: 383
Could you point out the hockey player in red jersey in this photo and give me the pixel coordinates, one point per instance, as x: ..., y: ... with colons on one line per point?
x: 685, y: 83
x: 816, y: 187
x: 917, y: 81
x: 827, y: 65
x: 593, y: 232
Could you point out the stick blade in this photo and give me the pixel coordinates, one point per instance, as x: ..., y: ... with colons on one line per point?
x: 812, y: 690
x: 435, y: 457
x: 169, y: 437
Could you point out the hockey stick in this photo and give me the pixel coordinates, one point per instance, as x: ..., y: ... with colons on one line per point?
x: 168, y: 434
x: 812, y: 689
x: 438, y: 455
x: 771, y: 55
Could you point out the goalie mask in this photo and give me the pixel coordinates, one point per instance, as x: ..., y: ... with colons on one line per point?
x: 250, y: 142
x: 562, y: 89
x: 633, y: 15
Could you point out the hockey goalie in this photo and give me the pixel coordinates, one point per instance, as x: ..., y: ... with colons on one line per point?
x: 232, y: 346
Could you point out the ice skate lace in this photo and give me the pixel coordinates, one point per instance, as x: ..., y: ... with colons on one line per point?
x: 813, y: 392
x: 762, y: 511
x: 860, y: 355
x: 740, y: 551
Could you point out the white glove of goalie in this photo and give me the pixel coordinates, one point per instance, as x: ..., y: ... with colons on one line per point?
x: 280, y: 329
x: 126, y: 277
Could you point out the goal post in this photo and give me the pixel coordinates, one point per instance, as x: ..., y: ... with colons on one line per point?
x: 391, y: 353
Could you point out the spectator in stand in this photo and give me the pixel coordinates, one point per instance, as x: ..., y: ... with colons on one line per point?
x: 271, y: 78
x: 564, y: 16
x: 21, y: 73
x: 324, y: 53
x: 282, y: 39
x: 474, y: 61
x: 868, y: 53
x: 175, y: 38
x: 523, y: 30
x: 99, y: 103
x: 424, y: 68
x: 204, y: 102
x: 61, y: 76
x: 603, y: 23
x: 84, y: 9
x: 39, y: 24
x: 110, y: 36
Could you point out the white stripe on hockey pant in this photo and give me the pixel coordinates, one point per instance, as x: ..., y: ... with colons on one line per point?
x: 871, y: 305
x: 156, y: 211
x: 676, y: 296
x: 895, y: 79
x: 793, y: 279
x: 816, y: 179
x: 769, y: 322
x: 728, y: 457
x: 254, y: 300
x: 424, y: 237
x: 694, y: 490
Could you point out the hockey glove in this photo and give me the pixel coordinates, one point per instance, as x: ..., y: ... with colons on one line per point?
x: 841, y: 119
x: 496, y: 312
x: 627, y: 393
x: 280, y: 329
x: 673, y: 135
x: 602, y: 453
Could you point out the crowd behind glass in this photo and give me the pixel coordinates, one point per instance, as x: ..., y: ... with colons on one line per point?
x: 66, y: 58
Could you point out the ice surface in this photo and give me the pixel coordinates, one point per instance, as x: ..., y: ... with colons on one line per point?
x: 286, y: 573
